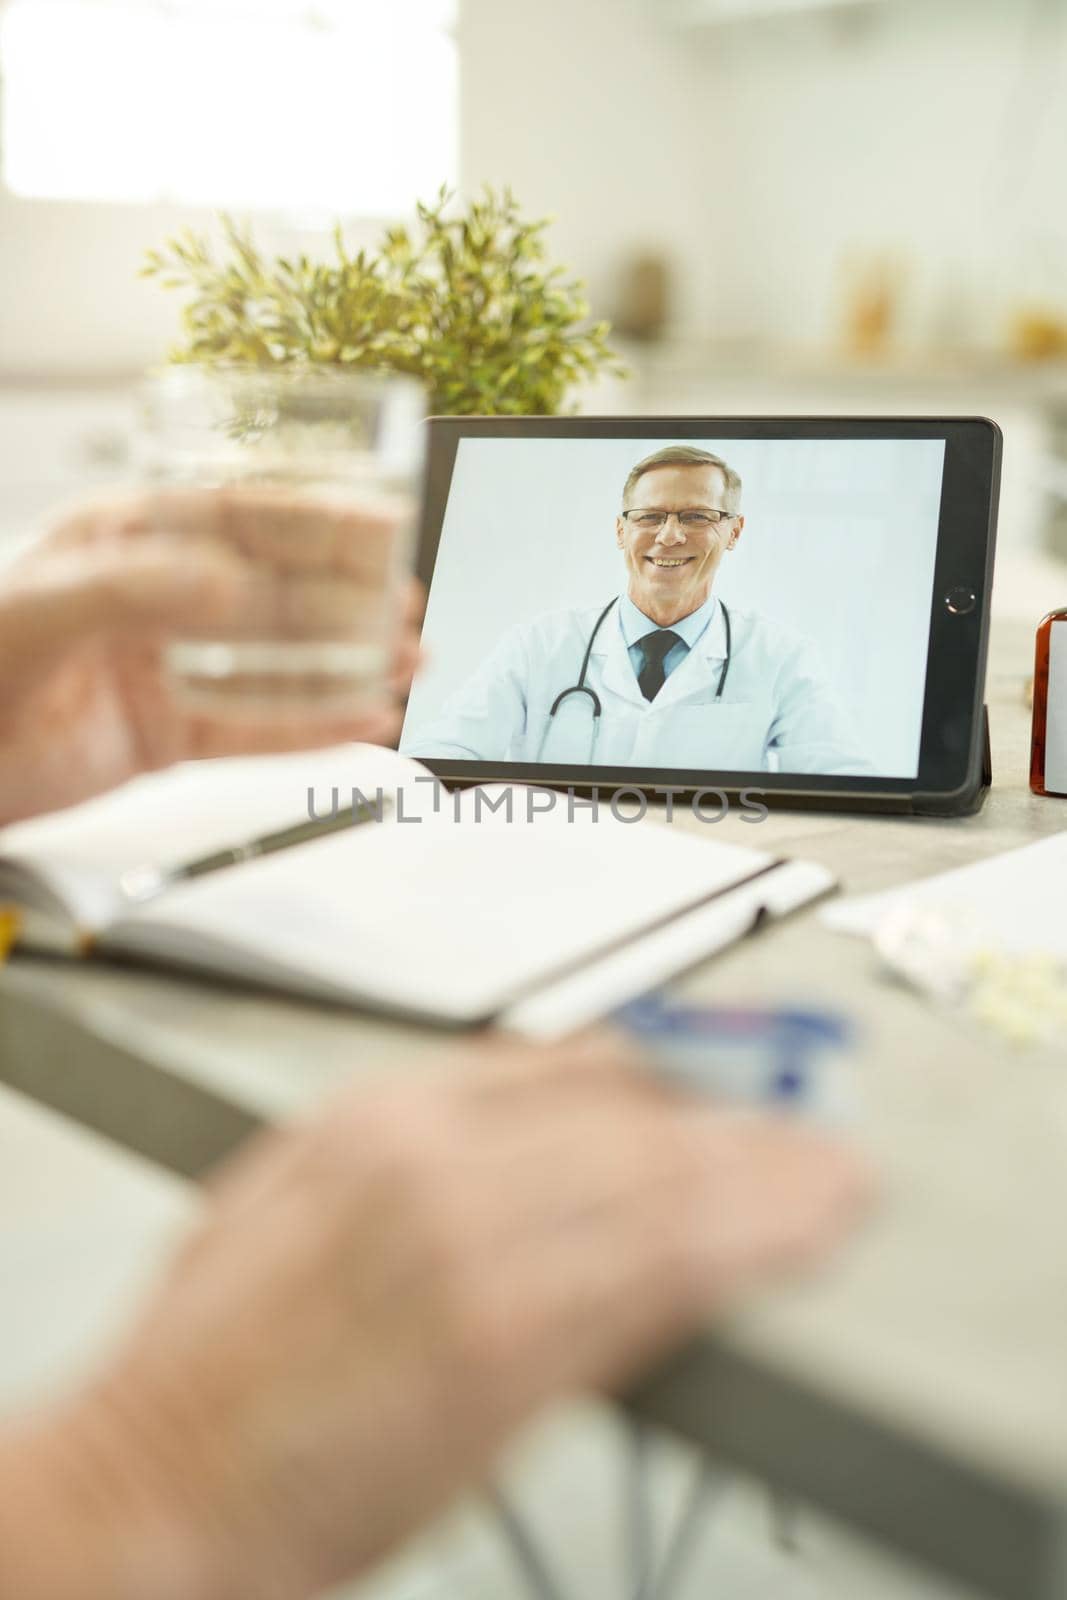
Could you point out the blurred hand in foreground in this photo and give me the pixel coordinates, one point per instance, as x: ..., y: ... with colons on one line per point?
x: 374, y: 1301
x: 85, y: 616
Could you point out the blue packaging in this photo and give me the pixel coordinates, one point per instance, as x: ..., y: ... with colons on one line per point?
x: 789, y: 1058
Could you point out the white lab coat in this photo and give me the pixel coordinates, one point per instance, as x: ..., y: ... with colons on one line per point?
x: 777, y: 711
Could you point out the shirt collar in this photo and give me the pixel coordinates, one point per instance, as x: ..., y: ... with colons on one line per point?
x: 635, y: 624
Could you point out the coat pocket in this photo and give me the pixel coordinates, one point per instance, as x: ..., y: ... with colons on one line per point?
x: 707, y: 736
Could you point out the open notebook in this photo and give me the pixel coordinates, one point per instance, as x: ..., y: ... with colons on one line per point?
x: 443, y: 910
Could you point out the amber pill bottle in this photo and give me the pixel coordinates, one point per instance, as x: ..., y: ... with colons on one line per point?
x: 1048, y: 739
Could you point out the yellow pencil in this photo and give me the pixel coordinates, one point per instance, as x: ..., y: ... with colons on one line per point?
x: 10, y: 924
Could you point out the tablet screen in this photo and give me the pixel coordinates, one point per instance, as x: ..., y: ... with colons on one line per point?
x: 718, y: 605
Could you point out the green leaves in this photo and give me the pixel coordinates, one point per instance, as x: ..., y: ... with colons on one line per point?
x: 461, y: 302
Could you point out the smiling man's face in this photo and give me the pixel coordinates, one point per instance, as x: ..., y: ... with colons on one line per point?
x: 672, y: 567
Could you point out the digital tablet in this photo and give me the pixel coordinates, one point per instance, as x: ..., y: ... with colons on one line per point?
x: 790, y: 608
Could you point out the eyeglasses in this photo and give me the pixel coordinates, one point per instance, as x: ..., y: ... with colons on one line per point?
x: 696, y: 521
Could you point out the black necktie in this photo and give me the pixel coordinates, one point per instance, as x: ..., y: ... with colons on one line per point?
x: 655, y: 647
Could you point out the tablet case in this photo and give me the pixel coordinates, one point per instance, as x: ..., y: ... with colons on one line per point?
x: 964, y: 803
x: 972, y: 799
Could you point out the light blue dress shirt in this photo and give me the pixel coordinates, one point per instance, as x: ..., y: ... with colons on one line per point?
x: 635, y: 625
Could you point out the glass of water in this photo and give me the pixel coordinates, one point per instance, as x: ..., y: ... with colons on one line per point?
x: 319, y: 471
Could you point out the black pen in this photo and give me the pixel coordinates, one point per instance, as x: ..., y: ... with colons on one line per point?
x: 139, y: 884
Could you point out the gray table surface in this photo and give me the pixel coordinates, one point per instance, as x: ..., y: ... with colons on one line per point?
x: 918, y: 1387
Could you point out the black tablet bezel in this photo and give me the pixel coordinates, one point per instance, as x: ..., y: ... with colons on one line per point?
x: 950, y: 758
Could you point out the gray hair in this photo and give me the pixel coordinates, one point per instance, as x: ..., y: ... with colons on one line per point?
x: 687, y: 455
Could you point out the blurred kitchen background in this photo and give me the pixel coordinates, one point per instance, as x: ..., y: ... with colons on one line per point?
x: 783, y: 205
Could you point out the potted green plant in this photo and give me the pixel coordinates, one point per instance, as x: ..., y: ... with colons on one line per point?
x: 464, y: 302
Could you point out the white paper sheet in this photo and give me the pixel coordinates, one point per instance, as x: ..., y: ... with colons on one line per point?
x: 1014, y: 901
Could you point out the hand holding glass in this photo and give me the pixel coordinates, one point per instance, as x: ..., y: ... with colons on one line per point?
x: 319, y: 472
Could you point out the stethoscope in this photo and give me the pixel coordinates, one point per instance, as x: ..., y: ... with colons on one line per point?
x: 581, y: 687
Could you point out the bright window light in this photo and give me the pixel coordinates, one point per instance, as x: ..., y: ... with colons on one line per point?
x: 301, y: 106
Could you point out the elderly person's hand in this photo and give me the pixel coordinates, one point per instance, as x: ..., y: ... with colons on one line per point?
x: 376, y: 1300
x: 85, y: 615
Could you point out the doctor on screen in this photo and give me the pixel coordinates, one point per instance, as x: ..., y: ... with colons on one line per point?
x: 661, y: 674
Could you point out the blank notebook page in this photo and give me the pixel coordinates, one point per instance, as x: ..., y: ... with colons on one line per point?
x: 168, y: 817
x: 448, y: 917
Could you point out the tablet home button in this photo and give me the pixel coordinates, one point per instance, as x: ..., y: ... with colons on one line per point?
x: 960, y: 601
